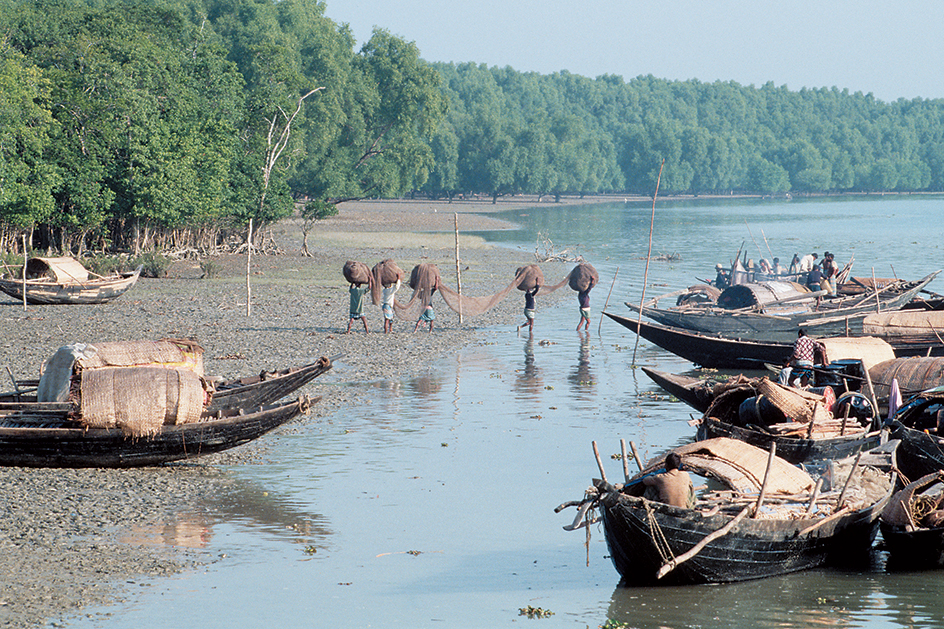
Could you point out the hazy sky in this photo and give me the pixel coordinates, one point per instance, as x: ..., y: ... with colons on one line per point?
x: 891, y: 49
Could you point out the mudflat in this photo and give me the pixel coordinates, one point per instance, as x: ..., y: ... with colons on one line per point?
x: 71, y: 539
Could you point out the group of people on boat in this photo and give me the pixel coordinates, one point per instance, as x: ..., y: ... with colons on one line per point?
x: 816, y: 275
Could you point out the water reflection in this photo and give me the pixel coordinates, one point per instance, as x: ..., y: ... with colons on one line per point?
x: 529, y: 382
x: 817, y: 598
x: 242, y: 502
x: 581, y: 376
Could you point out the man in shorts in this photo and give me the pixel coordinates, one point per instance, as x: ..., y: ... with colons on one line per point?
x: 583, y: 300
x: 428, y: 316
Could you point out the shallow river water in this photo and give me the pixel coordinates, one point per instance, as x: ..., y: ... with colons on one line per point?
x: 431, y: 503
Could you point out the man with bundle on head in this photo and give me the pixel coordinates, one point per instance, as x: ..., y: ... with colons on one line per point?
x: 582, y: 279
x: 359, y: 277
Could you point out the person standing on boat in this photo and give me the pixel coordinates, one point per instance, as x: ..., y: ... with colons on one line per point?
x: 830, y: 273
x: 357, y: 292
x: 721, y: 279
x: 807, y: 262
x: 529, y: 308
x: 795, y: 264
x: 672, y: 487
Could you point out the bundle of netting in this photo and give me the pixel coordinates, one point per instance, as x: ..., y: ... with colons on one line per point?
x: 385, y: 273
x: 526, y: 278
x: 424, y: 280
x: 583, y: 277
x: 357, y: 273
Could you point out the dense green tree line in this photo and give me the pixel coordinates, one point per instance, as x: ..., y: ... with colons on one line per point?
x: 174, y: 122
x: 149, y: 124
x: 509, y: 132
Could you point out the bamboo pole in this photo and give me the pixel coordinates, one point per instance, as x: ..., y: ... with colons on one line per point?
x: 819, y: 486
x: 845, y: 486
x: 697, y: 548
x: 763, y: 486
x: 607, y: 302
x: 645, y: 277
x: 878, y: 302
x: 25, y: 259
x: 248, y: 264
x: 458, y: 273
x: 636, y: 455
x: 596, y: 455
x: 625, y: 462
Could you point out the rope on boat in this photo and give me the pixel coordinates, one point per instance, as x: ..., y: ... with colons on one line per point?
x: 658, y: 537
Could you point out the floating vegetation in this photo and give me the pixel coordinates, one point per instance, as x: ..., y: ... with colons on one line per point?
x: 534, y: 612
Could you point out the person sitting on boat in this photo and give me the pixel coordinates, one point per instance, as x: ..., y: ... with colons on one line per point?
x: 721, y: 279
x: 805, y: 353
x: 807, y: 262
x: 673, y: 486
x: 764, y: 266
x: 777, y: 267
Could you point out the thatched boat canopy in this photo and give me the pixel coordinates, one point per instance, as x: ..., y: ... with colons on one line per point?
x: 60, y: 270
x: 759, y: 294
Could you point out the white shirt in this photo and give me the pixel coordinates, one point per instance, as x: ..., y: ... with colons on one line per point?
x: 389, y: 293
x: 806, y: 263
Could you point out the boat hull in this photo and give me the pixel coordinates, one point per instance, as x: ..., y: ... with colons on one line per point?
x: 754, y: 549
x: 26, y: 446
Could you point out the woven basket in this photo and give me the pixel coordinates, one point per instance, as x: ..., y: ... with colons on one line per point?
x: 139, y: 400
x: 796, y: 405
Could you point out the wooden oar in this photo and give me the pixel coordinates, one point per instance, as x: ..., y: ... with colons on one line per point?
x: 697, y: 548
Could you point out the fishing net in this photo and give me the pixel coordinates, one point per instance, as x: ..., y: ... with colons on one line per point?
x: 356, y: 272
x: 526, y: 278
x: 583, y: 276
x: 425, y: 281
x: 385, y: 273
x: 139, y: 400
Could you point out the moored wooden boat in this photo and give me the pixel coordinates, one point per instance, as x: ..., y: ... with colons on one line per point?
x: 65, y: 281
x: 912, y: 524
x: 251, y: 391
x: 771, y: 518
x: 778, y: 317
x: 718, y: 351
x: 38, y: 438
x: 918, y: 425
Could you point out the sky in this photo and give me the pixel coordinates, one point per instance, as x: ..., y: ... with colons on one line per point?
x: 890, y: 49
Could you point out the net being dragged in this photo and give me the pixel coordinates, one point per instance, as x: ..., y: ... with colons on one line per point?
x: 526, y: 278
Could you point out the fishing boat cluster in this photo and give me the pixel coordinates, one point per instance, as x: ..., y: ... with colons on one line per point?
x: 787, y: 476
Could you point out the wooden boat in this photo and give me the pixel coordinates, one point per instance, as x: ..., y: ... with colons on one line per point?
x: 46, y: 438
x: 252, y: 391
x: 719, y: 352
x: 912, y: 524
x: 919, y: 426
x: 805, y: 425
x: 774, y: 311
x: 770, y: 518
x: 65, y: 281
x: 708, y: 350
x: 267, y: 387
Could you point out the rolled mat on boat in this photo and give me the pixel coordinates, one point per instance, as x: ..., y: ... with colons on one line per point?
x: 140, y: 400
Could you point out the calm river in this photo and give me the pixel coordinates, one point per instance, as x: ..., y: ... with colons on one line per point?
x: 432, y: 504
